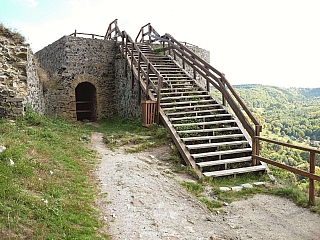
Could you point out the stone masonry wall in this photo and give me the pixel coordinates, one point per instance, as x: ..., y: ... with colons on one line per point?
x: 128, y: 104
x: 35, y: 87
x: 73, y: 60
x: 13, y: 78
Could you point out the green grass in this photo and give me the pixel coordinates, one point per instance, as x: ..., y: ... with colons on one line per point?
x: 50, y: 191
x: 119, y: 131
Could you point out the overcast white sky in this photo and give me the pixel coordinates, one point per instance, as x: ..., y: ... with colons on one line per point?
x: 273, y: 42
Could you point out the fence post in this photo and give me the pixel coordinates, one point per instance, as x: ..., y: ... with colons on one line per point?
x: 160, y: 80
x: 224, y: 88
x: 312, y: 198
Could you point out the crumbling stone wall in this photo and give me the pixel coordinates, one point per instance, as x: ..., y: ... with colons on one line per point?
x: 13, y: 78
x: 73, y: 60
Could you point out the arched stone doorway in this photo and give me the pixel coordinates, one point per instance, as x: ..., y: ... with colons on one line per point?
x: 86, y: 102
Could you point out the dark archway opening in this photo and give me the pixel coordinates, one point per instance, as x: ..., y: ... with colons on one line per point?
x: 86, y: 102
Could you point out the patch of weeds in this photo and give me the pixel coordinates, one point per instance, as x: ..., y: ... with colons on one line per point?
x: 212, y: 205
x: 193, y: 188
x: 119, y: 131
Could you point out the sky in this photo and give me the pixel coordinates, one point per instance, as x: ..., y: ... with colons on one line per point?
x: 271, y: 42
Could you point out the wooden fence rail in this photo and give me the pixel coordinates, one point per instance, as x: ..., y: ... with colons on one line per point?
x: 93, y: 36
x: 311, y: 174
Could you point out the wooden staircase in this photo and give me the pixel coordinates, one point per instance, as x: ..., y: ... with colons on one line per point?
x: 206, y: 128
x: 209, y: 137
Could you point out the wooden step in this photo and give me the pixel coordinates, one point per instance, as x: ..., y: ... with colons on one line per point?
x: 218, y: 144
x: 187, y: 139
x: 201, y: 117
x: 185, y: 97
x: 182, y: 94
x: 209, y: 130
x: 204, y: 123
x: 235, y: 171
x: 189, y: 102
x: 197, y: 112
x: 220, y: 153
x: 224, y: 161
x: 210, y: 106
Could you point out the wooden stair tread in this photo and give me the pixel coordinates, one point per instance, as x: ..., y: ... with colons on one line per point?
x: 234, y: 171
x: 209, y: 130
x: 204, y: 123
x: 224, y: 161
x: 212, y: 137
x: 191, y: 107
x: 196, y: 112
x: 201, y: 116
x: 184, y: 97
x: 208, y: 145
x: 219, y: 153
x: 189, y: 102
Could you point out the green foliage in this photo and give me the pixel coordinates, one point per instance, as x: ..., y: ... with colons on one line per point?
x: 49, y: 191
x: 194, y: 188
x: 119, y: 131
x: 11, y: 34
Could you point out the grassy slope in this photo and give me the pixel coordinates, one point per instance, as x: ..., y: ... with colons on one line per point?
x: 49, y: 192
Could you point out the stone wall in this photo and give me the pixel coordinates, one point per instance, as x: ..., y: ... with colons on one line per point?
x: 13, y: 78
x: 73, y: 60
x: 34, y: 87
x: 127, y: 97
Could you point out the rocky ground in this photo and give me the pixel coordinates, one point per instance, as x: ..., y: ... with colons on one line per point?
x: 141, y: 199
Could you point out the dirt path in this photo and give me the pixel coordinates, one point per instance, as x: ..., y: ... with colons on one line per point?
x: 142, y: 200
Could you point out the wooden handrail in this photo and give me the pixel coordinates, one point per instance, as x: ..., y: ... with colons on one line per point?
x: 93, y: 36
x: 312, y: 162
x: 137, y: 70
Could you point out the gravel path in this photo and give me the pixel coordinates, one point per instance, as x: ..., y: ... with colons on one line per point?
x: 142, y: 200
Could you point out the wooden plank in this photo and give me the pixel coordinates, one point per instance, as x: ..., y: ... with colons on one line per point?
x: 219, y: 153
x: 189, y: 102
x: 201, y: 117
x: 203, y: 123
x: 196, y: 112
x: 209, y: 130
x: 185, y: 97
x: 235, y: 171
x: 224, y: 161
x: 219, y: 144
x: 212, y: 137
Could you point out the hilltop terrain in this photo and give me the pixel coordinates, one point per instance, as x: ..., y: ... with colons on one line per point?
x: 142, y: 199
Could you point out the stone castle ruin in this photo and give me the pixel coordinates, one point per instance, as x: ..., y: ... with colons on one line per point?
x: 76, y: 78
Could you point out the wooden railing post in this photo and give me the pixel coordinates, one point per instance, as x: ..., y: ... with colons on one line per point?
x: 256, y: 145
x: 149, y: 29
x: 312, y: 198
x: 148, y: 81
x: 224, y: 87
x: 160, y: 81
x: 75, y: 33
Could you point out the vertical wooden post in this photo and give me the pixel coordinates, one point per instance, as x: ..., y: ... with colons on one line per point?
x: 222, y: 79
x: 139, y: 67
x: 75, y: 33
x: 132, y: 56
x: 312, y: 198
x: 160, y: 81
x: 254, y: 151
x: 149, y: 29
x: 122, y: 49
x: 148, y: 81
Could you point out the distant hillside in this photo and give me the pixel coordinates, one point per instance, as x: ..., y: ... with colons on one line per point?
x: 294, y: 112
